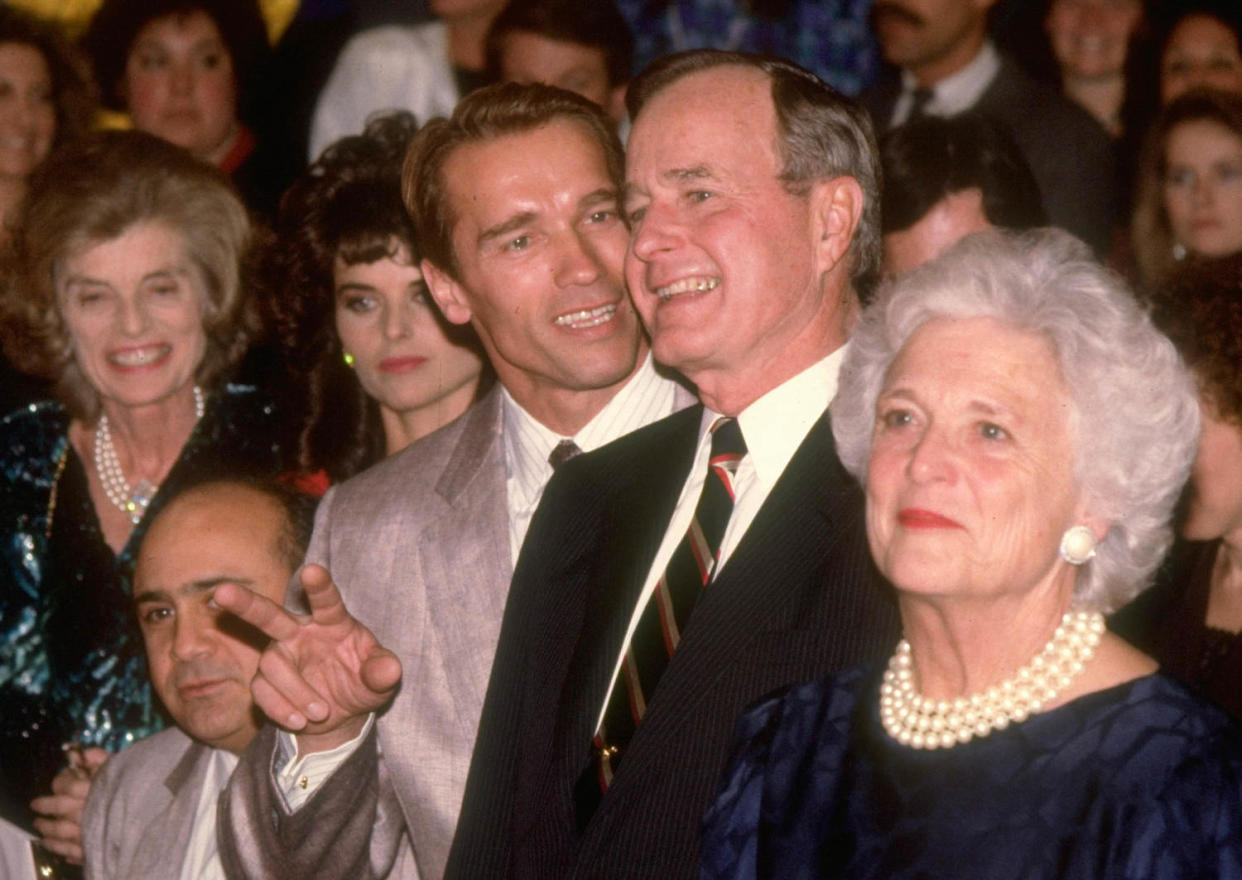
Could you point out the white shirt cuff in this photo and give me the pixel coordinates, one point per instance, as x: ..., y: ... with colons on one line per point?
x: 299, y: 777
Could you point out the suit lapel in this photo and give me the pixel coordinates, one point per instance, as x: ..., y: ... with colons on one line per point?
x: 809, y: 509
x: 164, y: 841
x: 465, y: 555
x: 633, y: 529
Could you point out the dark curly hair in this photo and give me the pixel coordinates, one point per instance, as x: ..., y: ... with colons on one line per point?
x: 348, y: 206
x: 73, y: 90
x: 111, y: 34
x: 1200, y: 309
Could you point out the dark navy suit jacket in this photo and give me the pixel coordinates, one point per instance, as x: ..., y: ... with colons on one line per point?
x: 799, y: 597
x: 1069, y: 152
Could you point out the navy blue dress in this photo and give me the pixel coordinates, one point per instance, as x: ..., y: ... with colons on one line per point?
x: 1143, y: 780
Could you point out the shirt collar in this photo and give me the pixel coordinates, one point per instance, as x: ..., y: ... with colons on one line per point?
x: 959, y: 91
x: 646, y: 397
x: 775, y: 425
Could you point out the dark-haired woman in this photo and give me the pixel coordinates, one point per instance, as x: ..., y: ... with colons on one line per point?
x: 1191, y: 619
x: 186, y: 70
x: 374, y: 365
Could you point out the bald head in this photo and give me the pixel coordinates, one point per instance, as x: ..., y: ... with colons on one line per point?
x: 202, y: 661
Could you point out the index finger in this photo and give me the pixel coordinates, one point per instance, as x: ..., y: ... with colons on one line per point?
x: 258, y: 611
x: 323, y: 597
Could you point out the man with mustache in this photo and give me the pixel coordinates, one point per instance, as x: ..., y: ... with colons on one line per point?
x: 948, y: 66
x: 151, y: 811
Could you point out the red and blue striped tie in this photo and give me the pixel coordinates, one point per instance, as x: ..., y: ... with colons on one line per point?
x: 665, y: 616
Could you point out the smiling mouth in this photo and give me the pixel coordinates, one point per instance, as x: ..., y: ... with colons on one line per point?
x: 586, y: 318
x: 698, y: 284
x: 139, y: 357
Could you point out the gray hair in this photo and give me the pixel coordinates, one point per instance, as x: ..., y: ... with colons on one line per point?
x: 1137, y: 417
x: 821, y: 134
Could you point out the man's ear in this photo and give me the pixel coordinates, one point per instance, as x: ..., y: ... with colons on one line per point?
x: 447, y: 292
x: 836, y: 209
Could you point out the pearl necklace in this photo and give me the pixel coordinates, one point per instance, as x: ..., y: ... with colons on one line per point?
x: 130, y: 500
x: 923, y: 723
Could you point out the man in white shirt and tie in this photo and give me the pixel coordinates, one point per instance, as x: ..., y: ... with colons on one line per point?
x: 945, y: 65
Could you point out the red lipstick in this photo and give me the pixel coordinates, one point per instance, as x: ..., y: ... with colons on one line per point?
x: 915, y: 518
x: 401, y: 364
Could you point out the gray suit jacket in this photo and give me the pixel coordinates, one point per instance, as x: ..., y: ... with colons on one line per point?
x: 419, y: 546
x: 140, y: 811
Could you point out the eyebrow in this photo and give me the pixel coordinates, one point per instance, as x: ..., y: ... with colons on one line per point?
x: 681, y: 175
x: 192, y: 588
x: 993, y: 409
x: 355, y: 285
x: 173, y: 271
x: 517, y: 221
x: 672, y: 176
x: 599, y: 197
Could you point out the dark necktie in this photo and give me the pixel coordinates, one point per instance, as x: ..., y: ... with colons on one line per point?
x: 664, y: 618
x: 563, y: 452
x: 921, y: 96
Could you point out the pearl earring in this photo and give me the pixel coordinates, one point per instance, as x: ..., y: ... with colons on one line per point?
x: 349, y: 360
x: 1077, y: 545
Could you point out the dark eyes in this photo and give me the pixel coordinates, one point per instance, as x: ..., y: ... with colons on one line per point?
x: 156, y: 614
x: 359, y: 304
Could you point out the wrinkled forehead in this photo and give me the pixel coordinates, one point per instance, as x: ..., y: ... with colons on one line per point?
x: 219, y: 523
x: 489, y: 179
x: 720, y: 114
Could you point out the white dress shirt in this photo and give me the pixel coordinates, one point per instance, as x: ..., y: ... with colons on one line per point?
x: 394, y: 67
x: 773, y: 427
x: 202, y: 856
x: 954, y: 94
x: 646, y: 398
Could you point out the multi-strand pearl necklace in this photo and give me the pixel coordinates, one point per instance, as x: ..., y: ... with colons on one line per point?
x: 923, y: 723
x: 130, y: 500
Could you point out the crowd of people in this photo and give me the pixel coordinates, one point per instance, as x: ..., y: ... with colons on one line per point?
x: 687, y: 438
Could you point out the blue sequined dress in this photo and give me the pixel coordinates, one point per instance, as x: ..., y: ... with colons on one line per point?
x: 72, y: 665
x: 1142, y: 781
